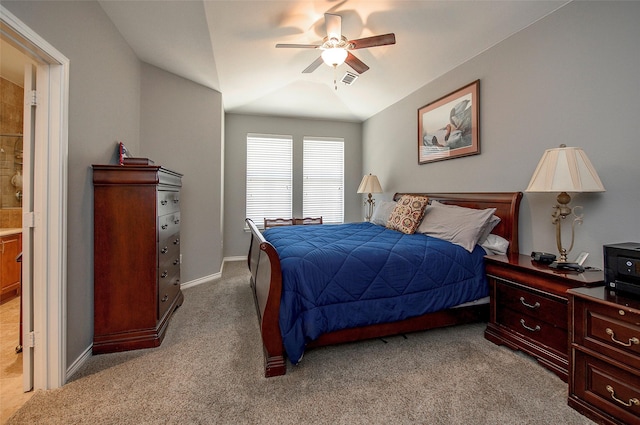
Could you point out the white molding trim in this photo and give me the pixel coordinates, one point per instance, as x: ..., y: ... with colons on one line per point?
x: 80, y: 361
x: 211, y: 277
x: 50, y: 204
x: 201, y: 280
x: 236, y: 258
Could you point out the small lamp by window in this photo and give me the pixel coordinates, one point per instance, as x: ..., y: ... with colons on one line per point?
x: 369, y: 184
x: 565, y: 169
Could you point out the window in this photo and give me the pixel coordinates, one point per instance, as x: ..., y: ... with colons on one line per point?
x: 323, y: 179
x: 269, y: 177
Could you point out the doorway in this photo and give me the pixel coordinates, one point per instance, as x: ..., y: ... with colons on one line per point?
x: 44, y: 200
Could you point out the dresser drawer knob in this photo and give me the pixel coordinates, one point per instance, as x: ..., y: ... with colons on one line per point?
x: 532, y: 306
x: 536, y: 329
x: 632, y: 341
x: 165, y: 298
x: 164, y: 226
x: 163, y: 202
x: 164, y: 250
x: 621, y: 312
x: 632, y: 401
x: 164, y: 274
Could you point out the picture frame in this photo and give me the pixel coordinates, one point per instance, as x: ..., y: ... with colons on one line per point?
x: 450, y: 126
x: 123, y: 153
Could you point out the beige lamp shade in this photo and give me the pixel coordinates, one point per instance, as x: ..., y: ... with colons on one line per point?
x: 565, y: 169
x: 369, y: 184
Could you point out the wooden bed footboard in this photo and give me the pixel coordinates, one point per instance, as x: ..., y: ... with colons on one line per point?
x: 266, y: 283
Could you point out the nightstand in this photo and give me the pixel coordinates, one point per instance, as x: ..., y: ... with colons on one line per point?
x: 604, y: 375
x: 529, y: 308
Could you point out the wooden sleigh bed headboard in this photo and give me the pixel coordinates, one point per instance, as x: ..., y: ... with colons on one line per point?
x: 507, y: 205
x: 266, y: 283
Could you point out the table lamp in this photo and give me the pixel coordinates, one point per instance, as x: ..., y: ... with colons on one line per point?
x: 565, y: 169
x: 369, y: 184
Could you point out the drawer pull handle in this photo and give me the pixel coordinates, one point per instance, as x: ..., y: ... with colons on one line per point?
x: 532, y: 306
x: 164, y: 250
x: 164, y: 274
x: 536, y: 329
x: 631, y: 342
x: 632, y: 401
x: 176, y: 261
x: 165, y: 298
x: 163, y: 202
x: 164, y: 226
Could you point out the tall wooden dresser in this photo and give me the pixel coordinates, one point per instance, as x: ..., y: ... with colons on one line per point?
x: 136, y: 255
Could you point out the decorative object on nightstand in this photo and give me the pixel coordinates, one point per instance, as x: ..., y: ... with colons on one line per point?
x: 565, y: 169
x: 369, y: 184
x: 528, y: 308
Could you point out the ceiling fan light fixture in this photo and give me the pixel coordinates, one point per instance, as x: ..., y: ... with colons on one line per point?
x: 334, y: 56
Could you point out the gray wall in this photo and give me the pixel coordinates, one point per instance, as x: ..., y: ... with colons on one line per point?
x: 114, y: 97
x: 104, y: 106
x: 570, y: 78
x: 236, y: 240
x: 181, y: 129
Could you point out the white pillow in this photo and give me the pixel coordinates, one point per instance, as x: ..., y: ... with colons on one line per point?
x: 382, y: 212
x: 458, y: 225
x: 495, y: 244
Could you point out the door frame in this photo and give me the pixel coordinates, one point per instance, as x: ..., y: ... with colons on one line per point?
x: 49, y: 216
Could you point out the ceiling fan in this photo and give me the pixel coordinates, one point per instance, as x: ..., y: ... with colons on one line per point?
x: 336, y: 48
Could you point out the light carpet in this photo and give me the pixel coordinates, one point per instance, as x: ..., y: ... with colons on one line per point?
x: 209, y: 370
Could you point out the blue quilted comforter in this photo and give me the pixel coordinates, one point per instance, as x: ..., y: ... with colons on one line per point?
x: 344, y: 276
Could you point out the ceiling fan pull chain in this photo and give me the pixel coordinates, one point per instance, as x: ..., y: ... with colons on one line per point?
x: 335, y: 84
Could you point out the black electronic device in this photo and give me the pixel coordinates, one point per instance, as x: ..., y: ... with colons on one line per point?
x: 622, y: 267
x: 543, y: 257
x: 571, y: 267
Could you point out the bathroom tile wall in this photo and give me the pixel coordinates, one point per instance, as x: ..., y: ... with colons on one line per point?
x: 11, y: 118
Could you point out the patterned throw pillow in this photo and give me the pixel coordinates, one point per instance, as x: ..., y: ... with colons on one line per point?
x: 407, y: 214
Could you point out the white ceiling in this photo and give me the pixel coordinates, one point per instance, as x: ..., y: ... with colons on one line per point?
x: 229, y: 46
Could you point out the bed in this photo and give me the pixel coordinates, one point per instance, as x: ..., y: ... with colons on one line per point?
x: 272, y: 298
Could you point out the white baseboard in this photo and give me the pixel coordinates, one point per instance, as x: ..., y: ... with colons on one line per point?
x: 200, y: 280
x: 77, y: 364
x: 236, y: 258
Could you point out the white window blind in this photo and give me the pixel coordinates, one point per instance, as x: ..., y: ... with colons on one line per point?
x: 323, y: 179
x: 269, y: 177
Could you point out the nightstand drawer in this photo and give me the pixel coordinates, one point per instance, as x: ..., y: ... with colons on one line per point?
x: 606, y: 387
x: 532, y: 304
x: 611, y: 331
x: 535, y: 329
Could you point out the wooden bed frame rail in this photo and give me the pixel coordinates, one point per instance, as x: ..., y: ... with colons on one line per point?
x: 266, y: 283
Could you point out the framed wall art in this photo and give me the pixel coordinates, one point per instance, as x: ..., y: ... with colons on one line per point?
x: 450, y: 127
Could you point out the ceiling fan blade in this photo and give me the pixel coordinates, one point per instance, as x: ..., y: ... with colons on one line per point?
x: 297, y: 46
x: 314, y: 65
x: 334, y: 25
x: 355, y: 63
x: 376, y: 40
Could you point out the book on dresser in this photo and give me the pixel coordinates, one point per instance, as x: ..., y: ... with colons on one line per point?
x: 136, y: 255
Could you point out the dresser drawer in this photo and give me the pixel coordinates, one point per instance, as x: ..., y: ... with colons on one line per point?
x: 539, y: 331
x: 169, y: 251
x: 168, y: 201
x: 614, y: 332
x: 168, y: 225
x: 168, y: 288
x: 553, y: 312
x: 604, y: 386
